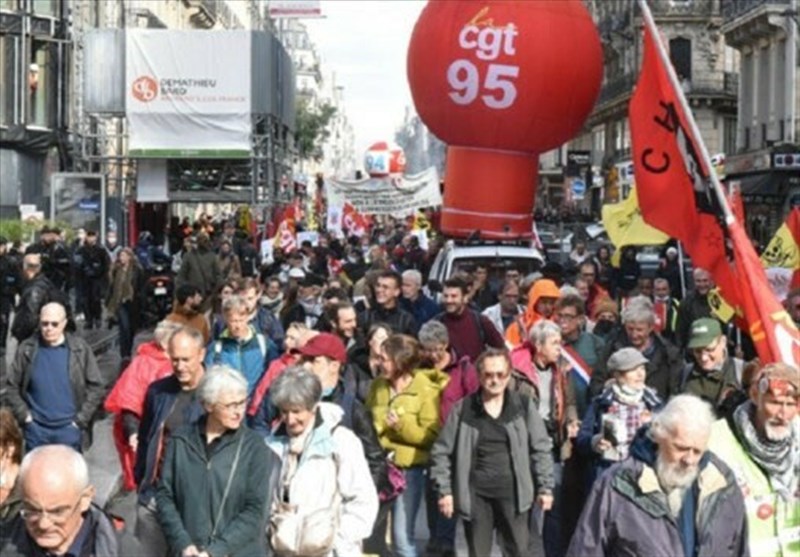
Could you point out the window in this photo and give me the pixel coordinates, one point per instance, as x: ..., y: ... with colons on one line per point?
x: 42, y: 85
x: 45, y: 7
x: 680, y: 53
x: 8, y: 79
x: 729, y: 135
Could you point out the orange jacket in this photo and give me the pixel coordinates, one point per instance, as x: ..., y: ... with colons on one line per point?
x: 517, y: 332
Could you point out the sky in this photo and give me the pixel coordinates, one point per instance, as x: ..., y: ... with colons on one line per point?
x: 365, y: 44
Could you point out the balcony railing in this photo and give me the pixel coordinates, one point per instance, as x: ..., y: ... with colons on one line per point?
x: 726, y: 83
x: 616, y: 87
x: 731, y: 9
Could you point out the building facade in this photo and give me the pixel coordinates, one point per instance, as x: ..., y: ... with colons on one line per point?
x: 765, y: 164
x: 706, y: 66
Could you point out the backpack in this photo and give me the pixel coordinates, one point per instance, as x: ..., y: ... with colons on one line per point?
x: 478, y: 323
x: 262, y: 344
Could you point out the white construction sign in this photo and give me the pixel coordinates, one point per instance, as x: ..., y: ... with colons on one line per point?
x: 187, y: 93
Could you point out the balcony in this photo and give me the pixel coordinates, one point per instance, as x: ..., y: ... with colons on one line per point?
x: 617, y: 87
x: 726, y: 84
x: 732, y: 9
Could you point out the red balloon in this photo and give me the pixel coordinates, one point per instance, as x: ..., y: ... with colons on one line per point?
x: 503, y: 77
x: 384, y: 159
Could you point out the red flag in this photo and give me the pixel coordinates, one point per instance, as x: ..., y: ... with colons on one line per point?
x: 735, y: 201
x: 285, y: 237
x: 672, y: 179
x: 355, y: 223
x: 678, y: 196
x: 773, y: 332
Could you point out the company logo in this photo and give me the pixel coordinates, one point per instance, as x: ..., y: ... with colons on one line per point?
x: 144, y: 89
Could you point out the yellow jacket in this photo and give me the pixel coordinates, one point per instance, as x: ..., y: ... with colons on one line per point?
x: 418, y: 410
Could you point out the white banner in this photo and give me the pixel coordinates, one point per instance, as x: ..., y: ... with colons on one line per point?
x: 294, y: 8
x: 187, y: 93
x: 387, y: 196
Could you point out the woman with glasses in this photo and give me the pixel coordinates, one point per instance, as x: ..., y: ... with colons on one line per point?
x: 212, y: 494
x: 405, y: 409
x: 492, y: 460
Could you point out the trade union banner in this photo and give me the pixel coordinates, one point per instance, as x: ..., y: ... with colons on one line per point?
x: 187, y: 93
x: 386, y: 196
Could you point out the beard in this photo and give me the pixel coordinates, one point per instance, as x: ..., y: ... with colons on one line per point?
x: 777, y: 431
x: 675, y: 476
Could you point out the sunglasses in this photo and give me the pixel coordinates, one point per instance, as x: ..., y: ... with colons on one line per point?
x: 53, y: 324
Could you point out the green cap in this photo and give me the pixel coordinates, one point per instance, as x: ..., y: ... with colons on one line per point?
x: 704, y: 331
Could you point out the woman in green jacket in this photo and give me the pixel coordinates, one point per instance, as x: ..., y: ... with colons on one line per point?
x: 212, y: 496
x: 405, y: 409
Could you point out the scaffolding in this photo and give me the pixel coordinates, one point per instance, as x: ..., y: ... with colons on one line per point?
x: 100, y: 137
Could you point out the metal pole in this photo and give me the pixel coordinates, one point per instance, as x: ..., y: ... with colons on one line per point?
x: 683, y: 271
x: 791, y: 72
x: 694, y: 131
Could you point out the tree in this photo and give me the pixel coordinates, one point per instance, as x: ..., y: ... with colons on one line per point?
x: 312, y: 128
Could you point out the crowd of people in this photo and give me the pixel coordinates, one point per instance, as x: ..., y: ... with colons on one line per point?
x: 314, y: 403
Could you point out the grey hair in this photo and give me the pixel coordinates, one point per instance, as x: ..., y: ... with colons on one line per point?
x: 660, y: 280
x: 414, y: 275
x: 296, y: 386
x: 59, y: 457
x: 164, y: 331
x: 190, y: 332
x: 569, y: 290
x: 433, y: 332
x: 234, y: 304
x: 688, y: 410
x: 639, y: 309
x: 220, y: 379
x: 543, y: 330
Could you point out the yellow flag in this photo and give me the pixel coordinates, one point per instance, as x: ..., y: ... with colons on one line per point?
x: 720, y: 309
x: 421, y: 222
x: 782, y: 250
x: 625, y: 226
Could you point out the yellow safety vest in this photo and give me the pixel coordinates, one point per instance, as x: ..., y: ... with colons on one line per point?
x: 773, y: 523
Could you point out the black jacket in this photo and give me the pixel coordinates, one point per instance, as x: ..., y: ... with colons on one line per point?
x: 94, y: 262
x: 663, y: 369
x: 398, y: 319
x: 56, y: 262
x: 35, y: 293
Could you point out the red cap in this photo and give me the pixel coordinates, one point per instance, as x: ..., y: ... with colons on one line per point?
x: 325, y: 344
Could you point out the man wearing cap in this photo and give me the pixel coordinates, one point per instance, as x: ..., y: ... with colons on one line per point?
x: 761, y: 444
x: 325, y: 356
x: 55, y: 259
x: 713, y: 375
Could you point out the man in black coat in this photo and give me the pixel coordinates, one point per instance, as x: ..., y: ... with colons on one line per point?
x: 10, y: 285
x: 386, y: 307
x: 92, y: 278
x: 37, y: 290
x: 56, y: 263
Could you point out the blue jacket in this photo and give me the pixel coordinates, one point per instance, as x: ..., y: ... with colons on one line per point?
x: 423, y: 308
x: 250, y: 357
x: 158, y: 405
x: 592, y: 424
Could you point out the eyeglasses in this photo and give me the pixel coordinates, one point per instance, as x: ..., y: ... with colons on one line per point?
x: 58, y: 515
x: 231, y: 406
x: 52, y: 324
x: 496, y: 375
x: 567, y: 316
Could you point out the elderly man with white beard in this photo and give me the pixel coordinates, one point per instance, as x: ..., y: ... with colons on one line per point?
x: 761, y: 444
x: 673, y: 497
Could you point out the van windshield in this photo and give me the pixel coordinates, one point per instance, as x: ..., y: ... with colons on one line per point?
x: 497, y: 266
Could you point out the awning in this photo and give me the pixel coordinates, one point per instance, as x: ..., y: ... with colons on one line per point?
x: 767, y: 184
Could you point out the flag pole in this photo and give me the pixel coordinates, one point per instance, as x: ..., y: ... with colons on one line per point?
x: 681, y: 263
x: 693, y: 129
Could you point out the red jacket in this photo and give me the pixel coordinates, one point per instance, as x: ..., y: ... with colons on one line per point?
x: 150, y: 364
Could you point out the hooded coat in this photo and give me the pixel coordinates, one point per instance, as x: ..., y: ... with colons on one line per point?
x: 517, y: 332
